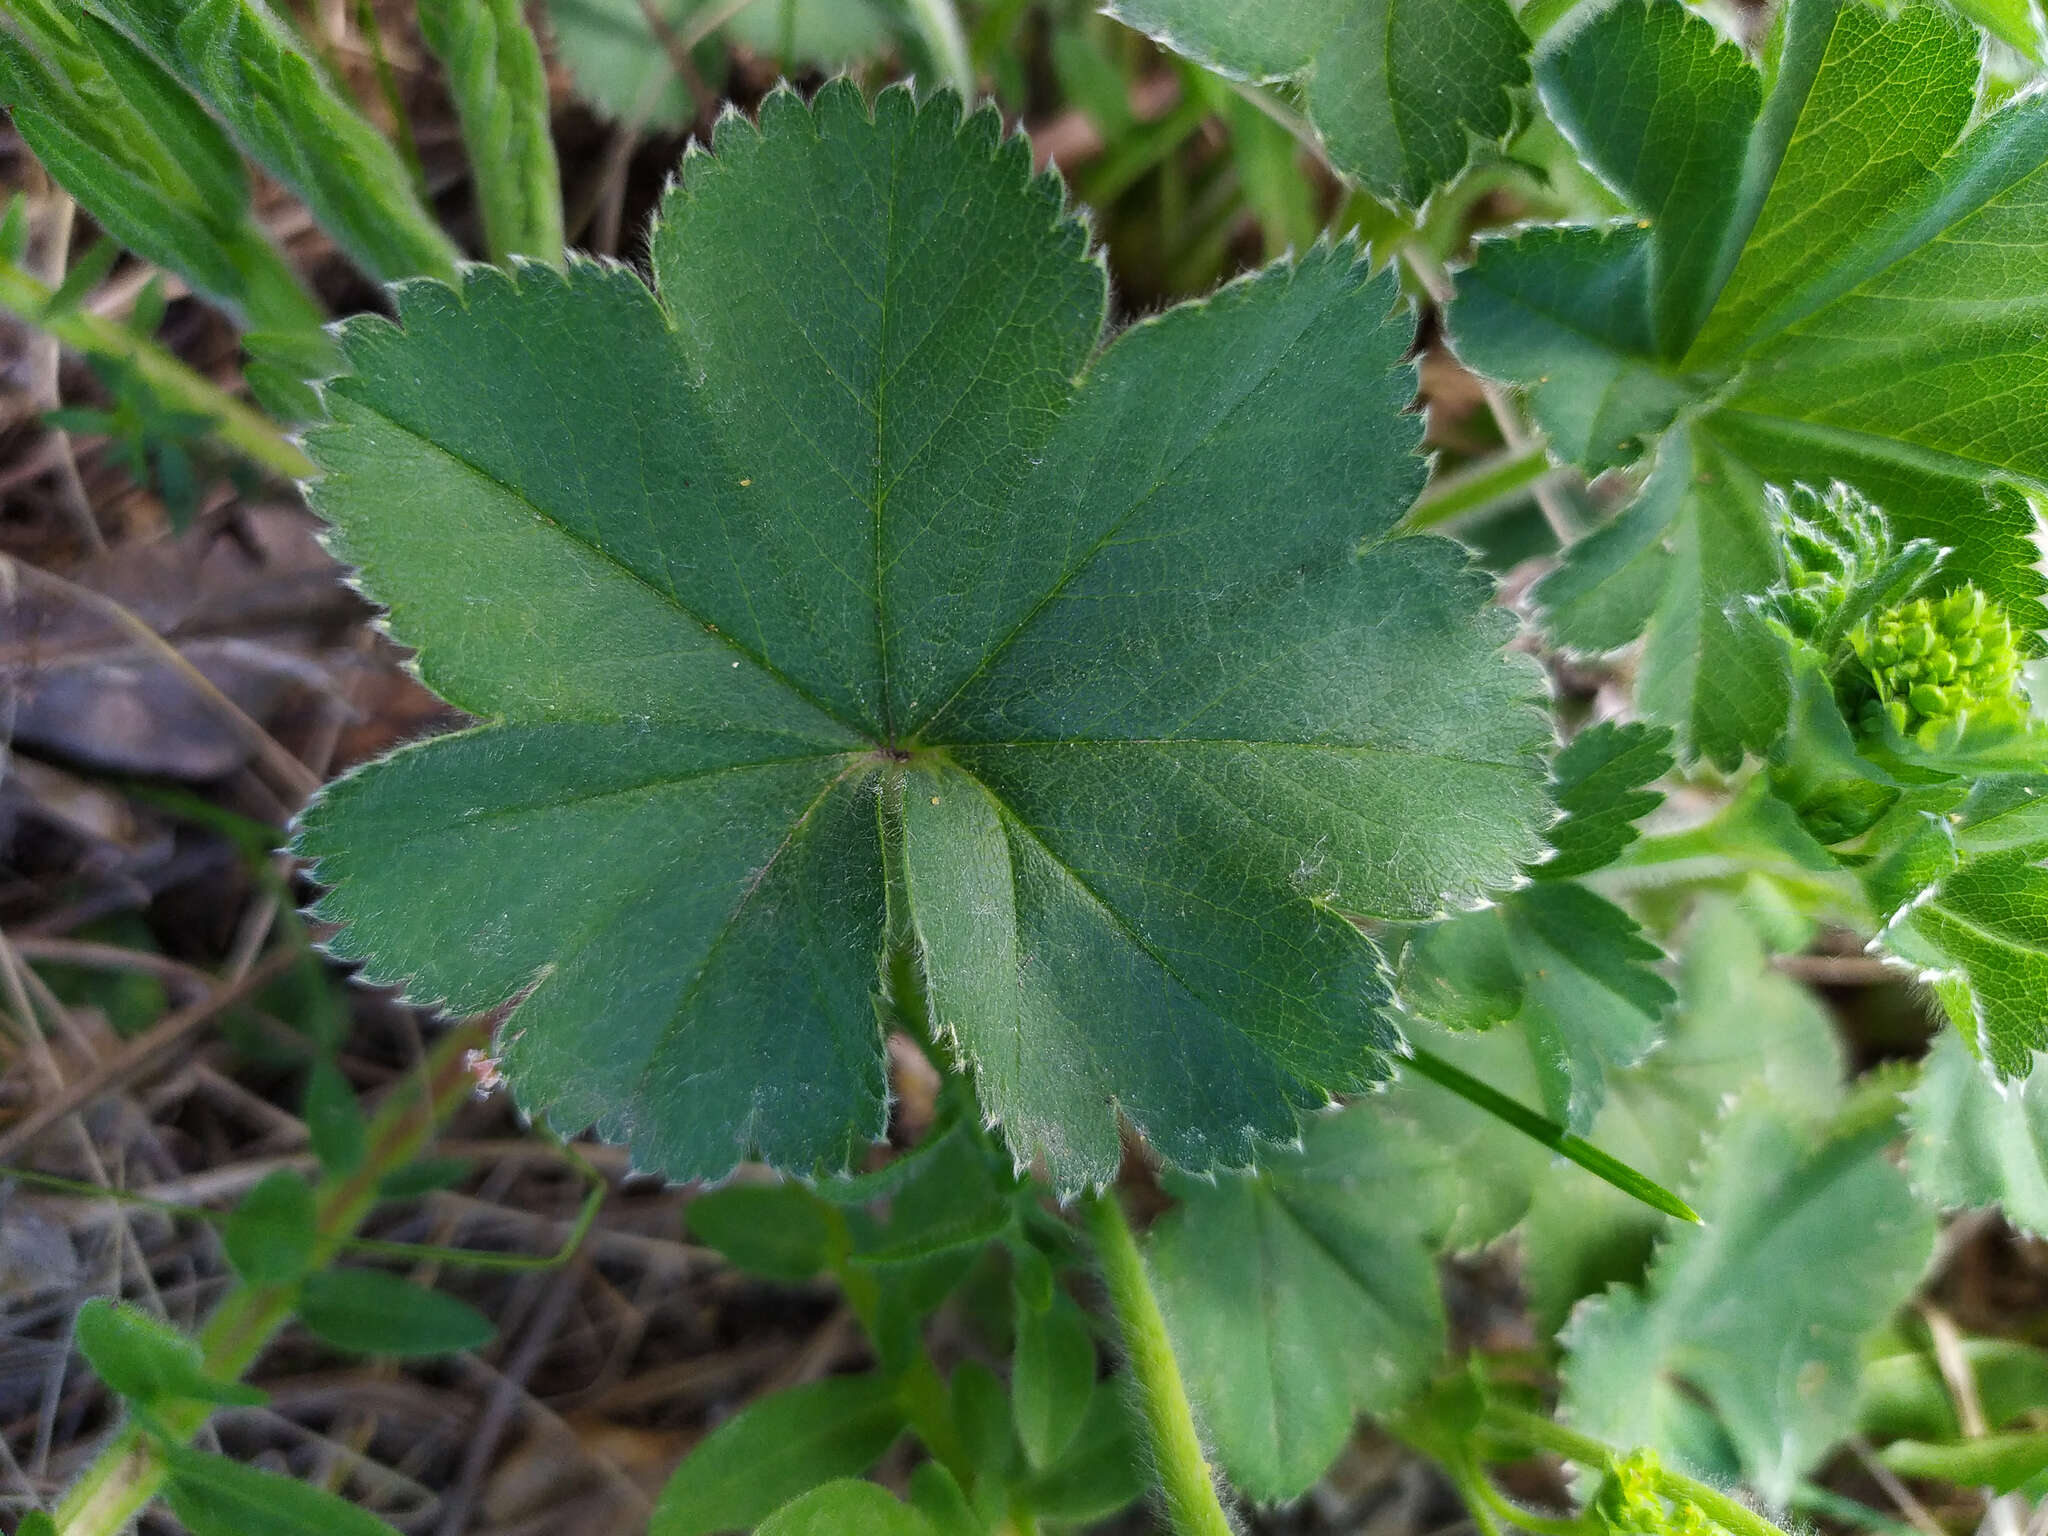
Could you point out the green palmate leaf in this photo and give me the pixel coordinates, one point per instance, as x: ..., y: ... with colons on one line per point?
x: 214, y: 1496
x: 626, y: 65
x: 1600, y: 779
x: 1977, y: 1142
x: 1569, y: 968
x: 1738, y: 1022
x: 1805, y: 287
x: 368, y: 1312
x: 775, y: 1449
x: 501, y: 95
x: 842, y: 1507
x: 1396, y: 88
x: 1305, y: 1295
x: 1978, y: 936
x: 813, y: 606
x: 249, y: 68
x: 1809, y: 1245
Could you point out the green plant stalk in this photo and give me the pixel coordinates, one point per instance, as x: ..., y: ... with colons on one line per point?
x: 1483, y: 486
x: 411, y: 1253
x: 1546, y: 1434
x: 1185, y: 1480
x: 1552, y: 1135
x: 247, y: 431
x: 128, y: 1471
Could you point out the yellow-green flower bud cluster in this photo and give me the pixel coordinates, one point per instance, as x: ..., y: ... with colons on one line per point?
x: 1940, y: 667
x: 1630, y: 1501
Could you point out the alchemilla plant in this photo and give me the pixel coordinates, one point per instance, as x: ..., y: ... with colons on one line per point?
x: 876, y: 654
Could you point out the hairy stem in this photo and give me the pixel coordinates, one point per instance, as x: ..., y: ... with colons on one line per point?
x: 1185, y: 1480
x: 247, y: 431
x: 1547, y: 1434
x: 126, y: 1474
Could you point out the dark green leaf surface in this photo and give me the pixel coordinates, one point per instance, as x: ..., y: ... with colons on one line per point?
x: 1834, y: 280
x: 1977, y: 1142
x: 1305, y: 1295
x: 1600, y: 788
x: 1979, y: 938
x: 1809, y: 1245
x: 823, y: 553
x: 775, y: 1449
x: 1393, y: 86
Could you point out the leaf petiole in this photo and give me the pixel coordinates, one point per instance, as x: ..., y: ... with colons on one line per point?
x: 1554, y: 1136
x: 1186, y: 1481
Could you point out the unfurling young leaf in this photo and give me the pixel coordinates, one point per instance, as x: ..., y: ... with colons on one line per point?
x: 250, y: 69
x: 813, y: 607
x: 501, y: 95
x: 1809, y: 307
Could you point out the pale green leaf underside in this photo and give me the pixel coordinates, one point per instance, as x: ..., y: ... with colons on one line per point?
x: 1304, y: 1295
x: 1839, y: 281
x: 821, y: 566
x: 1760, y: 1314
x: 1738, y: 1021
x: 1977, y: 1142
x: 624, y: 68
x: 1395, y: 87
